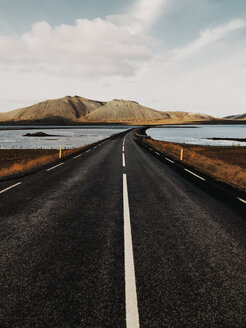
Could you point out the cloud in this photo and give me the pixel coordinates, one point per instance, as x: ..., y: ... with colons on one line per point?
x: 117, y: 58
x: 207, y: 75
x: 141, y: 16
x: 104, y: 51
x: 209, y: 36
x: 90, y: 47
x: 148, y: 11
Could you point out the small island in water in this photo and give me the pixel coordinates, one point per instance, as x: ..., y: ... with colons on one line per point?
x: 39, y: 134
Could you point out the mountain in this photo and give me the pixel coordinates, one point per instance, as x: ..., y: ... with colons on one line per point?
x: 81, y: 110
x: 186, y: 116
x: 241, y: 117
x: 128, y: 111
x: 237, y: 117
x: 67, y: 108
x: 124, y: 111
x: 230, y: 117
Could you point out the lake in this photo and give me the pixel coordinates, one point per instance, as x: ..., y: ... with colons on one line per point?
x: 67, y: 137
x: 199, y: 134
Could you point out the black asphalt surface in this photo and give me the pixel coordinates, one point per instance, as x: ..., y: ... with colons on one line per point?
x: 62, y: 246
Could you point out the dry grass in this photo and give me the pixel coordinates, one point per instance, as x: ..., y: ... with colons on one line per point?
x: 227, y: 164
x: 14, y: 161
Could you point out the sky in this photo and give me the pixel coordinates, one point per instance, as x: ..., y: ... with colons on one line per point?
x: 185, y: 55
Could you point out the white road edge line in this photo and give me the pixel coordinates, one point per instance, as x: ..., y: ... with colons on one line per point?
x: 241, y: 200
x: 77, y: 156
x: 15, y: 185
x: 132, y: 315
x: 54, y: 167
x: 198, y: 176
x: 169, y: 160
x: 157, y: 153
x: 123, y: 160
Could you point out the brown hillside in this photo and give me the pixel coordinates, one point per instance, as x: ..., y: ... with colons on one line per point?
x: 69, y: 108
x: 79, y: 109
x: 185, y: 116
x: 130, y: 111
x: 241, y: 117
x: 125, y: 110
x: 236, y: 117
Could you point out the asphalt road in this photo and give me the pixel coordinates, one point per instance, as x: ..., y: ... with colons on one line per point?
x: 117, y: 238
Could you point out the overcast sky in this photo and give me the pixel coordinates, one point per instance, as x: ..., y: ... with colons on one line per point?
x: 166, y: 54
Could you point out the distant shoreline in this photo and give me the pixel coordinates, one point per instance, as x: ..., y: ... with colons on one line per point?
x: 48, y: 127
x: 100, y: 125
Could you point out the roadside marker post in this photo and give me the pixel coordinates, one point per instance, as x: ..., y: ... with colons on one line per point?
x: 60, y: 152
x: 181, y: 154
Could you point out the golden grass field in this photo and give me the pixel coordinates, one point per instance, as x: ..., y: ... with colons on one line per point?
x: 227, y: 164
x: 13, y: 161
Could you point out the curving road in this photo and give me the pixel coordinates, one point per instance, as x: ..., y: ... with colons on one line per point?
x: 117, y: 238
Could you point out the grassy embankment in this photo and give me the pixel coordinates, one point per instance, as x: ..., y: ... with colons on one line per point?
x: 227, y: 164
x: 13, y: 161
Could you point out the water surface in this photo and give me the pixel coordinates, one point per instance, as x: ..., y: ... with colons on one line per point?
x: 199, y: 134
x: 67, y: 137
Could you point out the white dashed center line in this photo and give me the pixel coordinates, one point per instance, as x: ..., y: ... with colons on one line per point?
x: 132, y: 315
x: 123, y: 160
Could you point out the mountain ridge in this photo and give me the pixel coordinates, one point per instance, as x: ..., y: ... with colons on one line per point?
x: 236, y: 117
x: 78, y: 109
